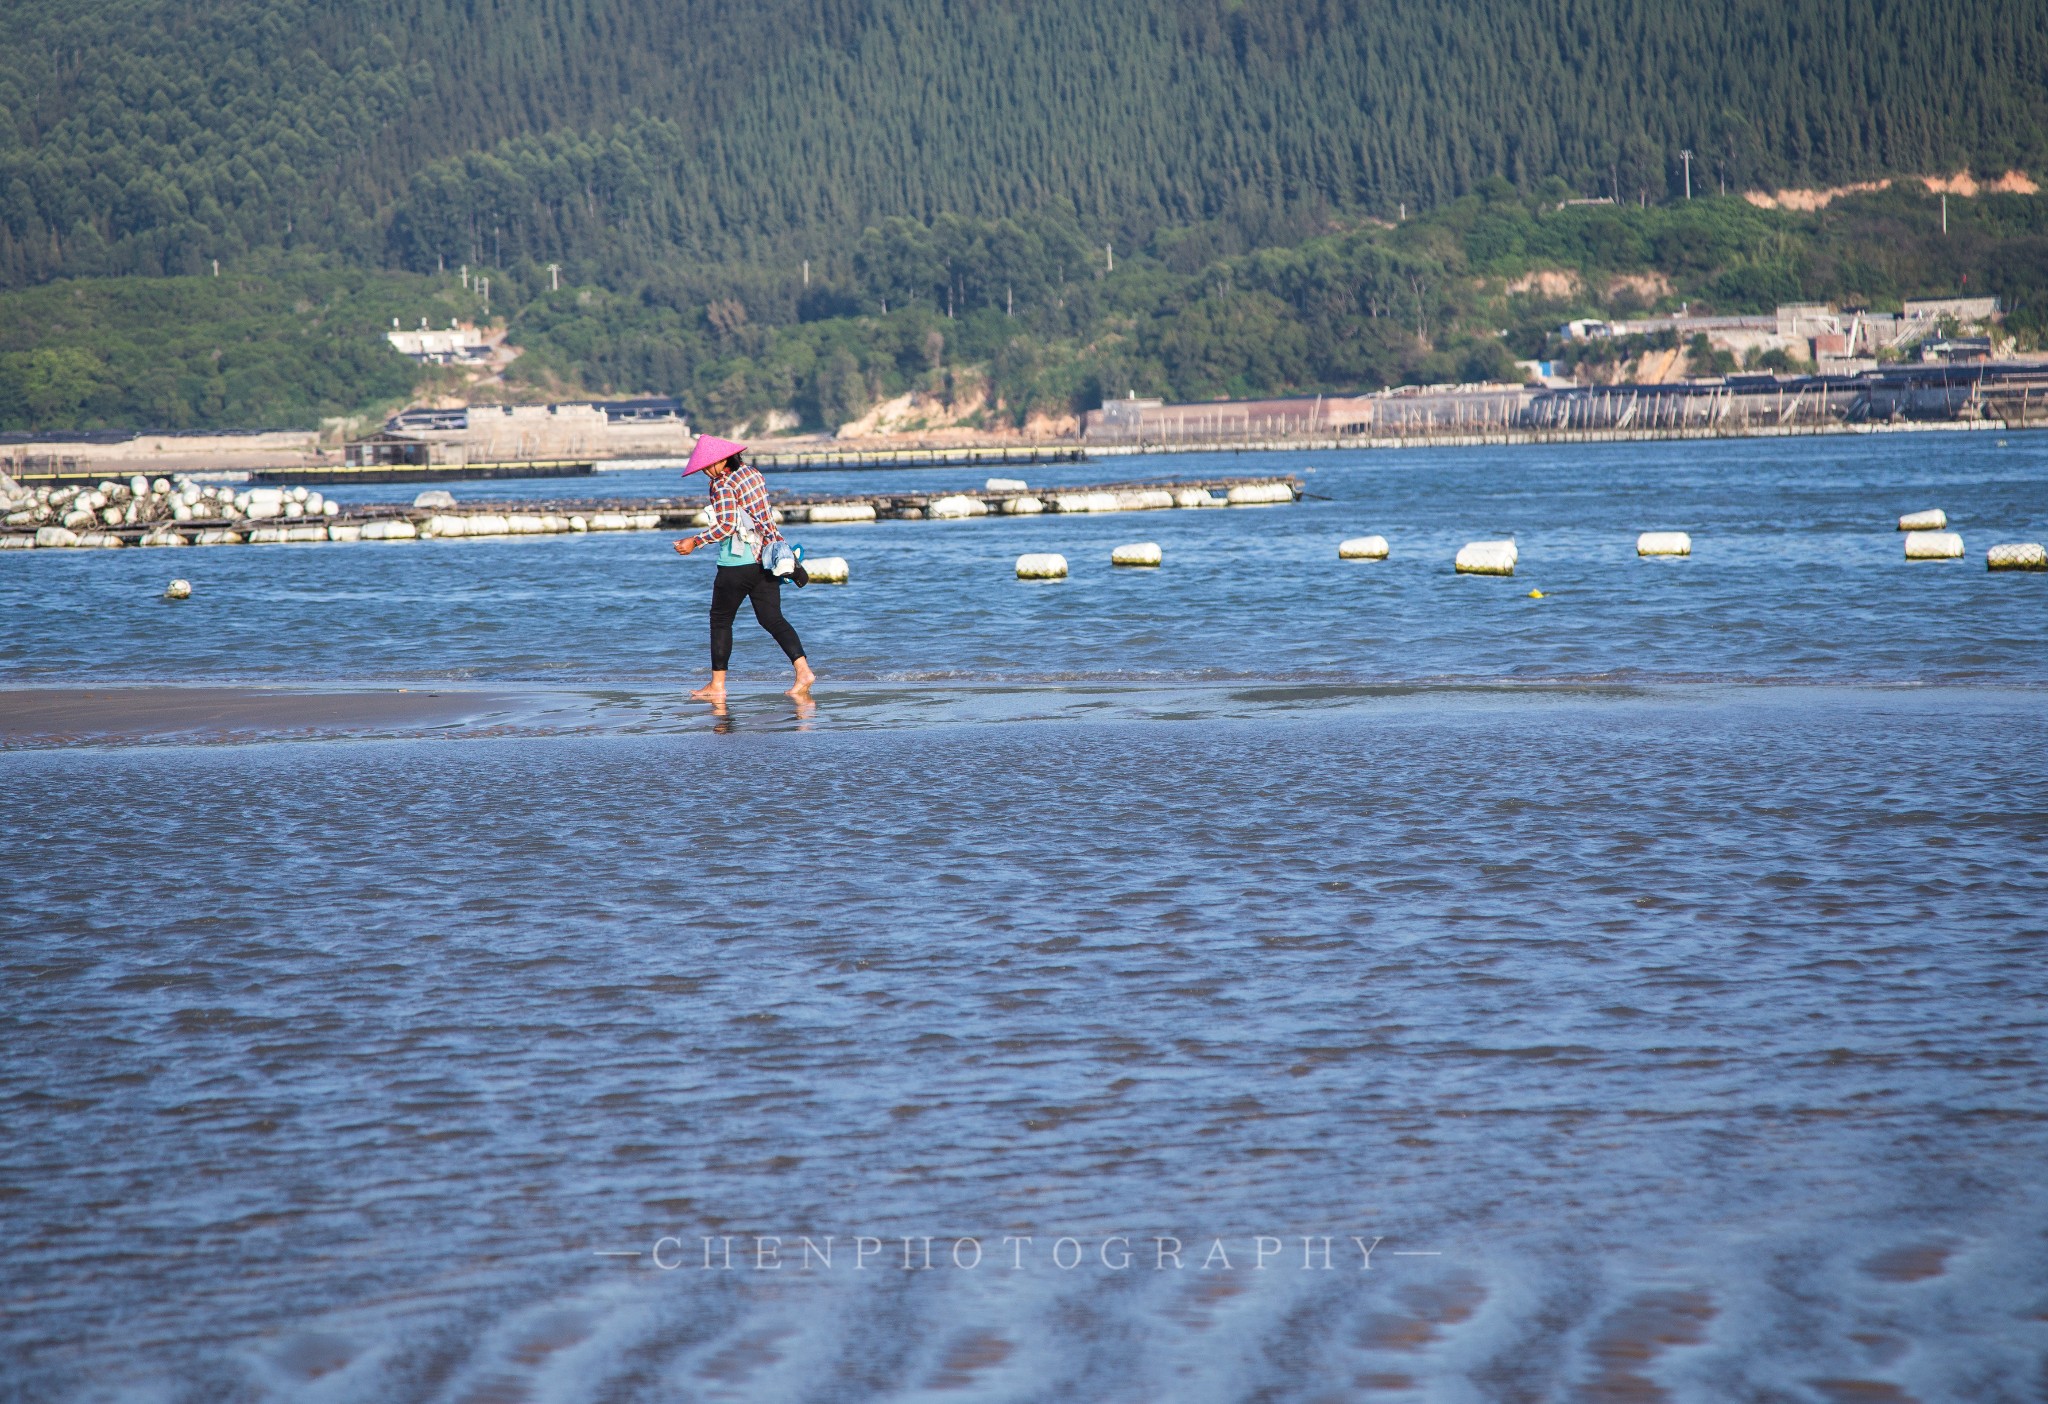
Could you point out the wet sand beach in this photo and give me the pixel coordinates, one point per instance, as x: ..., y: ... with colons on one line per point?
x: 74, y: 716
x: 1238, y: 980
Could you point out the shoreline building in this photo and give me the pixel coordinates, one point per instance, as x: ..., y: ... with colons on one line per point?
x: 1836, y: 341
x: 588, y: 430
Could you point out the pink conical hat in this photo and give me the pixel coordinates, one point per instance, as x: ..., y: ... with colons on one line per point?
x: 711, y: 449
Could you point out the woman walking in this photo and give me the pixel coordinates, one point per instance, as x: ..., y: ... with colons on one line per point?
x: 743, y: 528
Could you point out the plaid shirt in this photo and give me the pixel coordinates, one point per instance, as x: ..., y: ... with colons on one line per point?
x: 740, y: 491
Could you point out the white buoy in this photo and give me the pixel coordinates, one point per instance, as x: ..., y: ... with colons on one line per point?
x: 1199, y: 497
x: 2017, y: 555
x: 1487, y: 558
x: 1084, y: 502
x: 579, y: 523
x: 21, y: 542
x: 1663, y: 543
x: 1932, y: 520
x: 435, y: 497
x: 56, y: 536
x: 217, y: 536
x: 161, y: 487
x: 827, y: 570
x: 1042, y: 566
x: 942, y: 509
x: 441, y: 525
x: 163, y: 536
x: 389, y: 530
x: 1006, y: 485
x: 338, y: 532
x: 138, y: 485
x: 828, y: 513
x: 1025, y: 506
x: 1137, y: 553
x: 1260, y: 494
x: 305, y: 533
x: 1933, y: 546
x: 1363, y: 548
x: 100, y: 538
x: 178, y: 590
x: 1143, y: 500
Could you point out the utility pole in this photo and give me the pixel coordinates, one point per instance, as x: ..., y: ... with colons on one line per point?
x: 807, y: 272
x: 216, y: 268
x: 484, y: 286
x: 554, y: 277
x: 1110, y: 249
x: 1944, y: 212
x: 465, y: 277
x: 1686, y: 156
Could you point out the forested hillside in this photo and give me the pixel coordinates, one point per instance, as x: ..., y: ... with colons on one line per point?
x: 1038, y: 322
x: 809, y: 204
x: 624, y: 136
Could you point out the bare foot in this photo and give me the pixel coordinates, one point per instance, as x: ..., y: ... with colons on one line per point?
x: 804, y: 678
x: 710, y: 692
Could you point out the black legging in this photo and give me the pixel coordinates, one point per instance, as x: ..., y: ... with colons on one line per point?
x: 744, y: 582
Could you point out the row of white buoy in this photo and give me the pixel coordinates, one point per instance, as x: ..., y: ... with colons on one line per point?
x: 1928, y: 539
x: 1925, y: 541
x: 960, y: 506
x: 182, y: 513
x: 1050, y: 565
x: 287, y: 530
x: 141, y: 502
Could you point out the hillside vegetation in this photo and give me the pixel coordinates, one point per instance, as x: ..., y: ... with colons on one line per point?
x: 150, y: 136
x: 807, y: 205
x: 1038, y: 322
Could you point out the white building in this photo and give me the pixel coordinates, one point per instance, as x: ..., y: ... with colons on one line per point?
x: 459, y: 345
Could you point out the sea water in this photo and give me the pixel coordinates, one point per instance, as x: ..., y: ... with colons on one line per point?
x: 1264, y: 977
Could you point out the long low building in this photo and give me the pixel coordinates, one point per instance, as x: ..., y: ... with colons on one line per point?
x: 120, y: 452
x: 1406, y: 409
x: 588, y: 430
x: 2014, y: 392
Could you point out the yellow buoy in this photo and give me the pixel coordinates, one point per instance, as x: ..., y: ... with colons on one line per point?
x: 1535, y: 594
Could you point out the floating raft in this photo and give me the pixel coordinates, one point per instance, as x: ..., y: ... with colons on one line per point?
x: 329, y: 474
x: 532, y: 517
x: 829, y: 460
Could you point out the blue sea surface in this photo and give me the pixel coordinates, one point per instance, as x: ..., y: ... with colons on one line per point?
x: 1261, y: 978
x: 1797, y: 574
